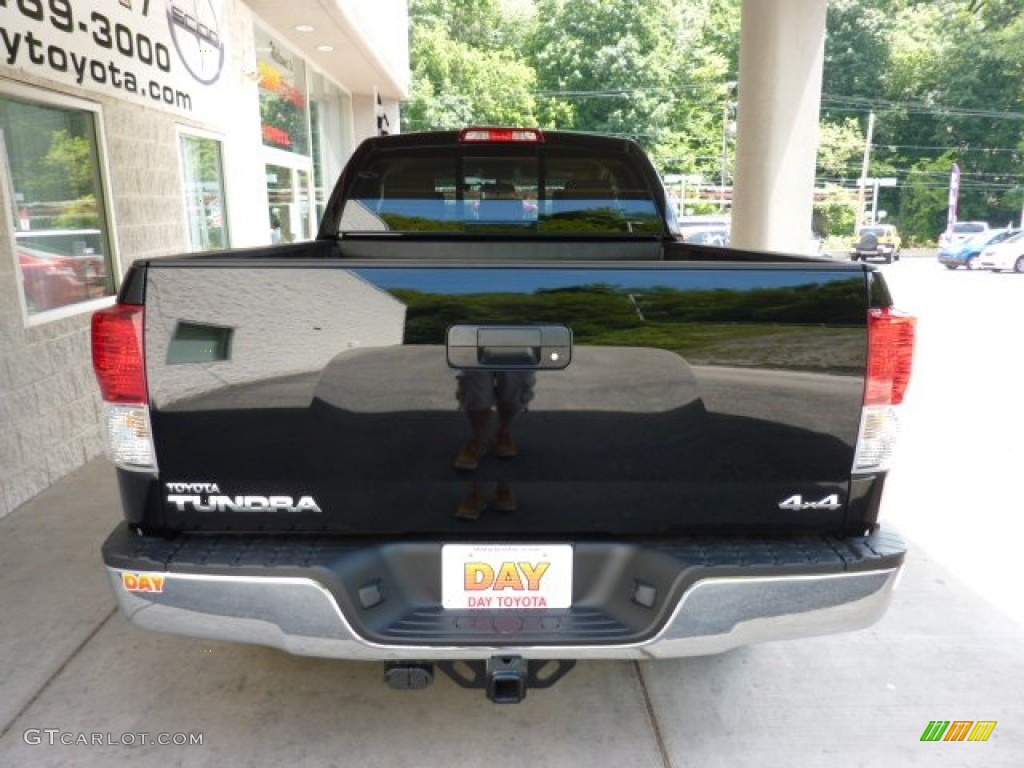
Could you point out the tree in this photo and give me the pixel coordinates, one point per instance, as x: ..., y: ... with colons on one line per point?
x: 643, y: 70
x: 464, y: 70
x: 67, y: 169
x: 925, y: 198
x: 839, y: 145
x: 944, y: 77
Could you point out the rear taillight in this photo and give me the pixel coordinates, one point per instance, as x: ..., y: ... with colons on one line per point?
x: 890, y: 355
x: 117, y: 353
x: 119, y: 363
x: 890, y: 358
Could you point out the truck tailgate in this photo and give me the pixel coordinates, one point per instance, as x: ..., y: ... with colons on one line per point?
x: 335, y: 396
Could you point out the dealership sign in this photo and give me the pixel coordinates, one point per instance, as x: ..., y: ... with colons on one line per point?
x: 167, y: 54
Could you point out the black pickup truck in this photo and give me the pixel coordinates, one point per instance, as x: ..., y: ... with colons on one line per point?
x: 499, y: 417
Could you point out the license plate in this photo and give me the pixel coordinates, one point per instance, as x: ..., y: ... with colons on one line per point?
x: 506, y: 576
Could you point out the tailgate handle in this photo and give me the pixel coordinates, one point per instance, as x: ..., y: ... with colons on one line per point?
x: 503, y: 347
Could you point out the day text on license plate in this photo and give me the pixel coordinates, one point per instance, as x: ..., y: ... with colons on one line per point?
x: 506, y: 576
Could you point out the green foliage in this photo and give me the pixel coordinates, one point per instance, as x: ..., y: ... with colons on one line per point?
x: 643, y: 70
x: 839, y: 144
x: 702, y: 324
x: 82, y: 214
x: 836, y: 217
x: 66, y: 170
x: 654, y: 71
x: 923, y: 211
x: 945, y: 79
x: 465, y: 70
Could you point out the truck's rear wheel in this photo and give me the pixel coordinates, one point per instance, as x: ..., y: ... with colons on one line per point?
x: 1018, y: 265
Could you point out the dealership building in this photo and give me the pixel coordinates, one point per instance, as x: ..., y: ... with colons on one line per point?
x: 139, y: 128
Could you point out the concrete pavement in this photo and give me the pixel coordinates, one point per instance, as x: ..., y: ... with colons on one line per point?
x: 72, y: 669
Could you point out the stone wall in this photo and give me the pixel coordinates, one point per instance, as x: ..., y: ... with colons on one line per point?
x: 49, y: 403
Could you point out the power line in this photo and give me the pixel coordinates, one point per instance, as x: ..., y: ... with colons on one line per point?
x: 912, y: 107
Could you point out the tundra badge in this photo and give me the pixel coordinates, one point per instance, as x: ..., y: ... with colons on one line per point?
x: 190, y: 497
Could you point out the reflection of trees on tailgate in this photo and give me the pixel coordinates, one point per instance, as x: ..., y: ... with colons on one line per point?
x: 707, y: 326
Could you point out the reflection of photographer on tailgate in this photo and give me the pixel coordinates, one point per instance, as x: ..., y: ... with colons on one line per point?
x: 479, y: 393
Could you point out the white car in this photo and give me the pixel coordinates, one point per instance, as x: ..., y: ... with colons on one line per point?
x: 1009, y: 254
x: 962, y: 230
x: 710, y: 235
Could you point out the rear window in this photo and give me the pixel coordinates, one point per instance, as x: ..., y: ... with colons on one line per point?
x: 510, y: 190
x: 968, y: 227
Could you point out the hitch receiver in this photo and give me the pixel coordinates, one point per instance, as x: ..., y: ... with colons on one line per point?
x: 506, y: 678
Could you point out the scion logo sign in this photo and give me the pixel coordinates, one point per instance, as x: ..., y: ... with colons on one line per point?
x: 196, y: 34
x: 207, y: 497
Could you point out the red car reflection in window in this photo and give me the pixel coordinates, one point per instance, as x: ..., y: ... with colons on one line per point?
x: 53, y: 281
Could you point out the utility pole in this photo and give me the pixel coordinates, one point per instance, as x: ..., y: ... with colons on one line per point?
x: 865, y: 168
x: 725, y: 150
x: 729, y: 88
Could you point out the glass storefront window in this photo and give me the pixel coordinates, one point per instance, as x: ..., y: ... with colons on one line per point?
x: 303, y: 211
x: 290, y: 213
x: 58, y: 206
x: 281, y: 193
x: 330, y: 112
x: 204, y: 192
x: 284, y: 112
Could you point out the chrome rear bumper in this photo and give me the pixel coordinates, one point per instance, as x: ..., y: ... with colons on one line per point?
x: 301, y: 616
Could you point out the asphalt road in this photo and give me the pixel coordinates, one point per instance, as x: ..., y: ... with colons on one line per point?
x: 950, y: 647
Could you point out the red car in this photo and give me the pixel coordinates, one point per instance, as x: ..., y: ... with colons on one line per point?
x: 53, y: 281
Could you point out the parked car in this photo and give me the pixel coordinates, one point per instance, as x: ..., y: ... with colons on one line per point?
x: 704, y: 220
x: 876, y: 241
x: 712, y: 235
x: 51, y: 280
x: 1009, y: 254
x: 962, y: 230
x: 966, y: 252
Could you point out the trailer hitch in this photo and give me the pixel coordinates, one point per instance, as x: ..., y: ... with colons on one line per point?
x: 506, y: 678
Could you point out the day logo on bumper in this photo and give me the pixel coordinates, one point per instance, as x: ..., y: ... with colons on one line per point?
x: 142, y: 582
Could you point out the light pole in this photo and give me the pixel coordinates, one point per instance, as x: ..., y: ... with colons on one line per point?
x: 863, y: 180
x: 729, y: 88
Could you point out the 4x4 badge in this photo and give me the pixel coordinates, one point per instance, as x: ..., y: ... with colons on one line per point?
x: 797, y: 503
